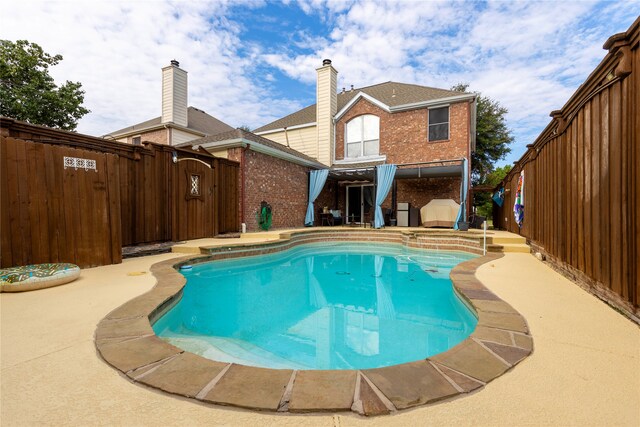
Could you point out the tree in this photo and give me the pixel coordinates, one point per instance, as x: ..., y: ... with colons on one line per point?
x: 482, y: 201
x: 29, y: 93
x: 492, y: 136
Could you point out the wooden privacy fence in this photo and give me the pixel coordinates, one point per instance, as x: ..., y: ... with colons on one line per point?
x: 582, y: 181
x: 68, y: 197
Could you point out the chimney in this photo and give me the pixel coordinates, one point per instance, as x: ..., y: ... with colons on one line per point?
x: 326, y: 109
x: 174, y: 94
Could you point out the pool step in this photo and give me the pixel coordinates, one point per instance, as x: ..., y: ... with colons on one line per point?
x: 508, y: 247
x: 513, y: 239
x: 231, y: 350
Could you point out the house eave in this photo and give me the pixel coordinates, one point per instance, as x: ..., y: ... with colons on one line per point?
x: 302, y: 126
x: 152, y: 128
x: 434, y: 102
x: 412, y: 106
x: 260, y: 148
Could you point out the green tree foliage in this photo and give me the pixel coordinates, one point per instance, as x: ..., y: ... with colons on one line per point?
x: 492, y: 136
x: 28, y: 92
x: 482, y: 201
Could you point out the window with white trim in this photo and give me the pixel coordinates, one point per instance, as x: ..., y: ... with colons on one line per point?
x: 362, y: 137
x: 439, y: 124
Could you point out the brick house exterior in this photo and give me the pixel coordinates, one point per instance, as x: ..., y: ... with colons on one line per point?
x: 281, y: 183
x: 403, y: 135
x: 396, y: 119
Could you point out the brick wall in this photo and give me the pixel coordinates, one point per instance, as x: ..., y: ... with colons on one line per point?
x: 282, y: 184
x: 421, y: 191
x: 403, y: 135
x: 158, y: 136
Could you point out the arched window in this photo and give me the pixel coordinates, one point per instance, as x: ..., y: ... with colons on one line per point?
x: 362, y: 137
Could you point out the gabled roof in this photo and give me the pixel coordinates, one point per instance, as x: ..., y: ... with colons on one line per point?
x: 391, y: 94
x: 197, y: 120
x: 240, y: 137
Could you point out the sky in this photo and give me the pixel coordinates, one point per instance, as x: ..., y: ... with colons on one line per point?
x: 251, y: 62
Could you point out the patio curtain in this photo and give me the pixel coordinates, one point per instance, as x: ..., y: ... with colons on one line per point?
x: 464, y: 186
x: 384, y: 179
x: 316, y: 295
x: 316, y: 182
x: 384, y: 303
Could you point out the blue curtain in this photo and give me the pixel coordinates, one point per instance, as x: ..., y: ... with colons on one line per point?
x: 464, y: 186
x: 384, y: 179
x: 316, y: 182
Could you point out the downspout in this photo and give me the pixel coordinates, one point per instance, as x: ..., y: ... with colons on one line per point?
x: 242, y: 185
x: 286, y: 136
x: 333, y: 155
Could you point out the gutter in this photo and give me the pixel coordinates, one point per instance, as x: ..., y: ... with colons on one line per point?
x: 242, y: 190
x: 257, y: 147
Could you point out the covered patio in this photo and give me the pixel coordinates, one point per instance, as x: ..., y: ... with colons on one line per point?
x: 352, y: 190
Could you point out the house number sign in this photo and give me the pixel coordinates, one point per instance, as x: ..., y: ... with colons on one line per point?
x: 78, y: 163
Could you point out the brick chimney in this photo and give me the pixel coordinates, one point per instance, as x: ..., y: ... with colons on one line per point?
x: 174, y: 94
x: 326, y: 109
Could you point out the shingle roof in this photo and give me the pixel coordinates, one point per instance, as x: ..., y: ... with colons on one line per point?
x: 249, y: 136
x: 196, y: 119
x: 390, y: 93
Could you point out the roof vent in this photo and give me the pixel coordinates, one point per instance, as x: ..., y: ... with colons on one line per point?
x: 326, y: 62
x: 175, y: 63
x: 351, y: 88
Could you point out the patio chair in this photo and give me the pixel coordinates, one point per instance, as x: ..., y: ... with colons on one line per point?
x: 337, y: 216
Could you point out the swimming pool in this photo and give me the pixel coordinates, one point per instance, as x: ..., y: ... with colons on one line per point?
x: 321, y: 306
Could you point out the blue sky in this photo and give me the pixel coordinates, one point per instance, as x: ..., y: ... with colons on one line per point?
x: 251, y: 62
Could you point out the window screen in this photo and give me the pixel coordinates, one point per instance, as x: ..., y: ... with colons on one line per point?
x: 439, y: 124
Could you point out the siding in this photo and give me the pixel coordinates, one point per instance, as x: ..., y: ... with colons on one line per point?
x: 180, y: 136
x: 304, y: 140
x: 326, y: 108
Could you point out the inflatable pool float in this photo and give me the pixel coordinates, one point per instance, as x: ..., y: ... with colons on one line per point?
x: 37, y: 276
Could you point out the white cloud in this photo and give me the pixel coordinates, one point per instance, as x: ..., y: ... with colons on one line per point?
x: 116, y: 50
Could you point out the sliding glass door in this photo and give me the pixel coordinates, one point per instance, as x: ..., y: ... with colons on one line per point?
x: 360, y: 202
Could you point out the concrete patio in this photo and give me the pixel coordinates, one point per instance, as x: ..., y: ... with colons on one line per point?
x: 584, y: 369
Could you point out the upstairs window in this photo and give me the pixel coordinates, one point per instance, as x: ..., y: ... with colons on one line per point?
x: 439, y: 124
x: 362, y: 137
x: 136, y: 140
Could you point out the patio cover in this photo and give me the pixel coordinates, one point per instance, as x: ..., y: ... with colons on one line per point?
x: 439, y: 213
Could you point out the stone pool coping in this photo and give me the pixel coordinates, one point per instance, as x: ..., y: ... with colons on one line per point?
x: 126, y: 341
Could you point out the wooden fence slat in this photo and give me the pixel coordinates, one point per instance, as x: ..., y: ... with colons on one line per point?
x: 6, y: 255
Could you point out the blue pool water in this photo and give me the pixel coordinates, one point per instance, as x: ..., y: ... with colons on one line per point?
x: 321, y: 306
